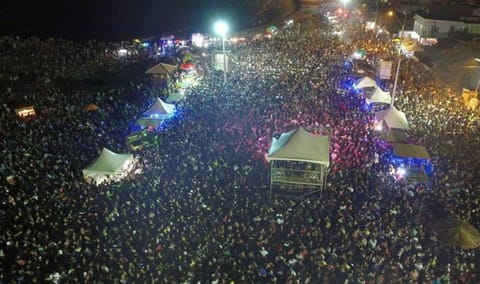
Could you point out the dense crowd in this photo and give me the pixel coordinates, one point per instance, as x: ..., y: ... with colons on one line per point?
x: 200, y: 209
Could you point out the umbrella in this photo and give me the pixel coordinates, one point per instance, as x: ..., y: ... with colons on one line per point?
x: 271, y: 29
x: 457, y: 233
x: 91, y: 107
x: 187, y: 66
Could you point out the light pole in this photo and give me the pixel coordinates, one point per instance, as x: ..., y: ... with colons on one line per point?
x: 221, y: 28
x: 398, y: 54
x: 478, y: 84
x: 395, y: 81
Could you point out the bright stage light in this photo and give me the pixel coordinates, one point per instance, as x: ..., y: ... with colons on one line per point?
x: 401, y: 172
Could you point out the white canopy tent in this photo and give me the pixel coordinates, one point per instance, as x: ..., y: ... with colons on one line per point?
x: 366, y: 82
x: 379, y: 97
x: 299, y: 146
x: 109, y: 166
x: 392, y: 118
x: 160, y: 109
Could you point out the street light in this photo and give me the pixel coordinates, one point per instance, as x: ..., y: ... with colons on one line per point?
x: 344, y: 2
x: 401, y: 23
x: 221, y: 28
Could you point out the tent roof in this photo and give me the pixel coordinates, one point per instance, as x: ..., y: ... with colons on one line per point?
x: 300, y: 145
x: 455, y: 232
x: 379, y: 96
x: 107, y: 163
x: 160, y: 108
x: 393, y: 118
x: 416, y: 175
x: 404, y: 150
x: 365, y: 82
x: 162, y: 68
x: 147, y: 121
x: 395, y: 136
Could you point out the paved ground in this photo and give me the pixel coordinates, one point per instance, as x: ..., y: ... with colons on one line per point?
x: 453, y: 62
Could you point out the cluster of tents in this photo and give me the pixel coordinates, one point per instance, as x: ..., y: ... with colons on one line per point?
x: 411, y: 161
x: 373, y: 93
x: 110, y: 166
x: 392, y: 122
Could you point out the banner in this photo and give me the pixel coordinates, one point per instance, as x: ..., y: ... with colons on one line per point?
x: 219, y: 61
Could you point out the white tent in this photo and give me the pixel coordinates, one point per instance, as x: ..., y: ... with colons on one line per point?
x: 379, y: 97
x: 108, y: 166
x: 393, y: 118
x: 160, y: 109
x: 299, y: 145
x: 365, y: 82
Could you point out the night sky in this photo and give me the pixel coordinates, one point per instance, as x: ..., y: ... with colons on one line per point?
x: 119, y: 19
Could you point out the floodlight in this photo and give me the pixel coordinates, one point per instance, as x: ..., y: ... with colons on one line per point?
x: 221, y: 28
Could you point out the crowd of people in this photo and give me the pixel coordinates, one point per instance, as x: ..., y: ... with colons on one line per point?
x: 200, y: 211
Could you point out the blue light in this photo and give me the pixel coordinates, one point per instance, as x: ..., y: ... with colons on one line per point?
x: 348, y: 84
x: 367, y: 107
x: 412, y: 163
